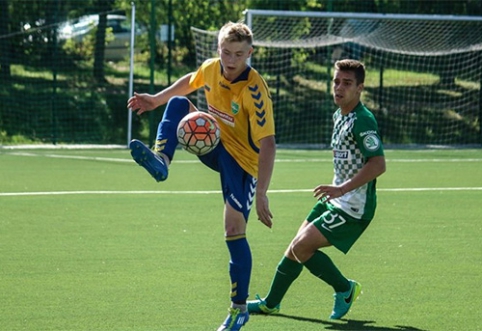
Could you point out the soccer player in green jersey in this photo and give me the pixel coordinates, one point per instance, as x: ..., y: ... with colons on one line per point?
x: 344, y: 208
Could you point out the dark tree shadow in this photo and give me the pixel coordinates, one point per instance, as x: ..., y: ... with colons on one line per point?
x: 350, y: 325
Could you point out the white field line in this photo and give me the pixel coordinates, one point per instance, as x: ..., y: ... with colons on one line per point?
x: 91, y: 158
x: 94, y: 158
x: 414, y: 189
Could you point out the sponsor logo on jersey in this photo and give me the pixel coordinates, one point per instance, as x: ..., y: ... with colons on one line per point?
x: 340, y: 154
x: 363, y: 134
x: 225, y: 118
x: 371, y: 142
x: 224, y: 86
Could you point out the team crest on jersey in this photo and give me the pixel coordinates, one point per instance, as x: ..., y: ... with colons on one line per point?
x: 234, y: 107
x: 371, y: 142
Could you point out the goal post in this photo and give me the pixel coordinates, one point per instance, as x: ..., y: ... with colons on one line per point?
x: 423, y: 80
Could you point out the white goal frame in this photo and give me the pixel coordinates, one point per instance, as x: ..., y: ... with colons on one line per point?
x: 440, y: 56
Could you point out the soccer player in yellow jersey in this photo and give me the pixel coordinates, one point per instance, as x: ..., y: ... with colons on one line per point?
x: 238, y: 97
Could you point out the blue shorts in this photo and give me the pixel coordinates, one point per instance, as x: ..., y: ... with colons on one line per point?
x: 238, y: 186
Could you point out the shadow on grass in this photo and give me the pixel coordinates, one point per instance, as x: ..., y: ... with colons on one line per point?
x: 350, y: 325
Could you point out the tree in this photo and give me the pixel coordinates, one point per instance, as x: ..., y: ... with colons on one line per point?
x: 4, y: 42
x: 103, y: 6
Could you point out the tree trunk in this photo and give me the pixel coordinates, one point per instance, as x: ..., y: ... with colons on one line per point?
x: 100, y: 49
x: 103, y: 6
x: 4, y: 42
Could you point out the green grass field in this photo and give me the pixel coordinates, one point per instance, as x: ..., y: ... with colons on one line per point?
x: 88, y: 241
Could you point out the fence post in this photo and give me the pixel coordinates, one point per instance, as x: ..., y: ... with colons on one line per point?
x: 131, y: 70
x: 480, y: 97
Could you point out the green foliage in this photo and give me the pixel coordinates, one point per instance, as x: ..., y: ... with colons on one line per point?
x: 77, y: 110
x: 55, y: 85
x: 84, y: 49
x: 6, y: 139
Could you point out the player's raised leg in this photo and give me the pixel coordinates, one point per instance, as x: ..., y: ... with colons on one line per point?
x: 154, y: 163
x: 157, y: 162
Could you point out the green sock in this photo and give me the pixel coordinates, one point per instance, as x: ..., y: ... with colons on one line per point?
x: 286, y: 272
x: 323, y: 267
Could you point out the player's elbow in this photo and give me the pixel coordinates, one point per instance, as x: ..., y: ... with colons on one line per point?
x: 378, y: 164
x: 268, y: 142
x: 382, y: 166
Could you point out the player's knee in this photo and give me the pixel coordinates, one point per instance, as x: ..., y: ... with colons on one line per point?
x: 234, y: 230
x: 231, y: 232
x: 176, y: 109
x: 179, y: 101
x: 299, y: 251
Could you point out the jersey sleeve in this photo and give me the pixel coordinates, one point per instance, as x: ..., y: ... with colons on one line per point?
x: 368, y: 137
x: 197, y: 78
x: 258, y: 99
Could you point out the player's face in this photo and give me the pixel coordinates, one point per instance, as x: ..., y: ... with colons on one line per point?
x: 233, y: 58
x: 346, y: 93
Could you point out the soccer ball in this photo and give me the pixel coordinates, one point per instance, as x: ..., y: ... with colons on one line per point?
x: 198, y: 133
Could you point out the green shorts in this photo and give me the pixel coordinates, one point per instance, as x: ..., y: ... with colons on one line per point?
x: 341, y: 230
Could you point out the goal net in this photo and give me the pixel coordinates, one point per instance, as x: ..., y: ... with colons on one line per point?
x: 423, y: 73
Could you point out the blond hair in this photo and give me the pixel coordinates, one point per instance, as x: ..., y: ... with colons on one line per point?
x: 235, y: 32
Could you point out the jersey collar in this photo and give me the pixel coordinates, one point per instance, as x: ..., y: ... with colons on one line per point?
x: 243, y: 76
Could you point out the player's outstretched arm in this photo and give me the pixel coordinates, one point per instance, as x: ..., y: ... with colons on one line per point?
x: 142, y: 102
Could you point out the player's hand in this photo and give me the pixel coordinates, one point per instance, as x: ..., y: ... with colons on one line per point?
x: 327, y: 192
x: 262, y: 208
x: 141, y: 102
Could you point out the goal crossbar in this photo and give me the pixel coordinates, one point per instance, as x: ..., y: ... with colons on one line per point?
x: 420, y: 35
x: 412, y: 17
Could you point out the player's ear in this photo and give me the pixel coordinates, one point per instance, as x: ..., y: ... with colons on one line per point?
x: 251, y: 50
x: 360, y: 87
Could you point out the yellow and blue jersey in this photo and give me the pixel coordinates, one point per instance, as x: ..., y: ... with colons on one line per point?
x: 242, y: 107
